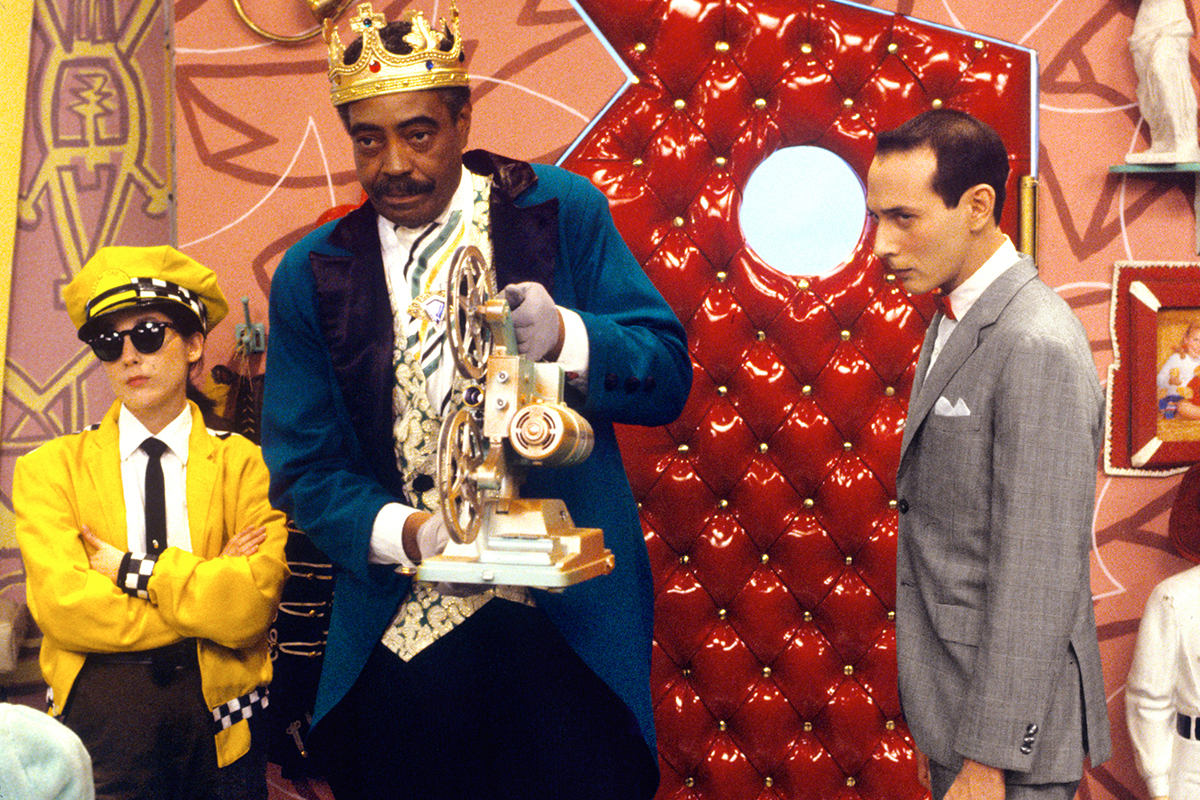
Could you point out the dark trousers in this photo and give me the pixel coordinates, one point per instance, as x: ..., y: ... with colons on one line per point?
x: 150, y: 733
x: 501, y: 707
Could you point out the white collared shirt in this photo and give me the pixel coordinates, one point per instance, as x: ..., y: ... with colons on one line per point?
x: 130, y: 435
x: 969, y: 291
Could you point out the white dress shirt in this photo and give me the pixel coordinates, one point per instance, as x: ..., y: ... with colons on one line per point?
x: 130, y: 435
x: 963, y: 298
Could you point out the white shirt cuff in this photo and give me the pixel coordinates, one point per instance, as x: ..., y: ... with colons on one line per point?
x: 387, y: 536
x: 574, y: 356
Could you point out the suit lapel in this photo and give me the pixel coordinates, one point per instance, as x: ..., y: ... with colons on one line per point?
x: 102, y: 460
x: 919, y: 377
x: 962, y: 343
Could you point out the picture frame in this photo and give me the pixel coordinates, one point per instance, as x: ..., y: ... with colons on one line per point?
x: 1152, y: 428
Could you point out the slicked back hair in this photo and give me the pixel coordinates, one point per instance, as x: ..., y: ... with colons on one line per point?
x: 968, y: 153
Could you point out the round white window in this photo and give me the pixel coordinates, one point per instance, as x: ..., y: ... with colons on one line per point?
x: 803, y: 210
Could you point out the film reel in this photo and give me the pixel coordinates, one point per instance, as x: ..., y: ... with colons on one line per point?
x: 470, y: 286
x: 460, y: 453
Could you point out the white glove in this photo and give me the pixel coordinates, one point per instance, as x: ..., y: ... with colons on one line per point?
x: 432, y: 536
x: 535, y: 318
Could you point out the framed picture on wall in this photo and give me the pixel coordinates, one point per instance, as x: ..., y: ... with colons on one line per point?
x: 1153, y: 417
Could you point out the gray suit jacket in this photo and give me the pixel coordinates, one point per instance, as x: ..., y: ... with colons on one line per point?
x: 996, y: 635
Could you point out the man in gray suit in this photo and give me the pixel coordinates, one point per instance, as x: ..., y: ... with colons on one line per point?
x: 1000, y: 677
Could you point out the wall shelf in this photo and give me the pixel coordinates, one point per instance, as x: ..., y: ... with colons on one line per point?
x: 1184, y: 167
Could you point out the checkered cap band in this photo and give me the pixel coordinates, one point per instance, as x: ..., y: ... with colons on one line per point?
x: 239, y: 708
x: 143, y: 290
x: 133, y: 577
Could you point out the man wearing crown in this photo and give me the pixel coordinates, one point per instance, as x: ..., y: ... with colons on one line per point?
x: 452, y: 691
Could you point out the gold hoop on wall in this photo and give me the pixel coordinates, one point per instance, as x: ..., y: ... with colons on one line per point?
x: 321, y: 10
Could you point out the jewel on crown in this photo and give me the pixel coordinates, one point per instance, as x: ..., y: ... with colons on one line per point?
x: 378, y: 71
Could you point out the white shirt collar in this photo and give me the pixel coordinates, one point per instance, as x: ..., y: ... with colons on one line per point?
x: 964, y: 297
x: 131, y: 433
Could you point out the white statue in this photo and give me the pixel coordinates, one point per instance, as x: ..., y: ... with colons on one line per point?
x: 1162, y: 695
x: 1160, y: 45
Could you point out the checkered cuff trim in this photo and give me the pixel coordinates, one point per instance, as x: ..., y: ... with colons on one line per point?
x: 240, y: 708
x: 134, y: 575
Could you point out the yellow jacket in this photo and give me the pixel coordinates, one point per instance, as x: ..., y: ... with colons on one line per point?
x: 227, y: 603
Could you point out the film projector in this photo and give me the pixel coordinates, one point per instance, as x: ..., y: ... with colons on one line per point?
x: 512, y: 419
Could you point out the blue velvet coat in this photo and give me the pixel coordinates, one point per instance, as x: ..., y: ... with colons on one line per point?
x: 327, y: 414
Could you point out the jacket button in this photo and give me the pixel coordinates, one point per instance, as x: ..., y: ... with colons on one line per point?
x: 610, y: 382
x: 902, y: 506
x: 632, y: 385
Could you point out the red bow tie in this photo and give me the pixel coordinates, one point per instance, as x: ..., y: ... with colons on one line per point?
x: 947, y: 309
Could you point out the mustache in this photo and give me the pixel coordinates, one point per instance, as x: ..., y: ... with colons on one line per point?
x: 404, y: 184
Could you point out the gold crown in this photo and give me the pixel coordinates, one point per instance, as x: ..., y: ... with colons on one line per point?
x: 378, y: 71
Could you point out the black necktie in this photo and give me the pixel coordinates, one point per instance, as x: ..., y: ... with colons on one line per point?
x: 156, y: 501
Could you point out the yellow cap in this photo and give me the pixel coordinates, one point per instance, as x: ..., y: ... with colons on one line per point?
x: 117, y: 278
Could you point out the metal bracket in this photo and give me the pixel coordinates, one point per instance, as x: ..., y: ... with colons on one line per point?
x: 250, y: 337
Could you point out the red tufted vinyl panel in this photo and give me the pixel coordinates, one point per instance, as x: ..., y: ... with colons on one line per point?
x: 767, y: 505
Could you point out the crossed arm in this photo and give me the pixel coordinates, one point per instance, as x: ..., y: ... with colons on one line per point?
x: 106, y: 559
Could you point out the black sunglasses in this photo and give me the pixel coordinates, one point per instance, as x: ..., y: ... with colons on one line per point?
x: 147, y: 336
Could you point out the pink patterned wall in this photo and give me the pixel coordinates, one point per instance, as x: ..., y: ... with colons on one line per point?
x: 260, y: 154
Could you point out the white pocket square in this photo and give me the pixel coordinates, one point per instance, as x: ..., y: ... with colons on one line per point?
x: 943, y: 408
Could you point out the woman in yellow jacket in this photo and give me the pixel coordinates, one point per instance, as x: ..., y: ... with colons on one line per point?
x: 153, y: 570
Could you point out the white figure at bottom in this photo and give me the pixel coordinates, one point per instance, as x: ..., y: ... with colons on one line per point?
x: 1162, y: 697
